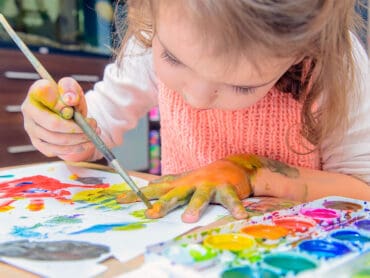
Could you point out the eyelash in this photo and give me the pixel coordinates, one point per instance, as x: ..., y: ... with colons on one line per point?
x: 240, y: 90
x: 243, y: 90
x: 170, y: 59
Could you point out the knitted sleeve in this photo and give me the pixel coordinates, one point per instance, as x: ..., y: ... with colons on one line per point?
x: 125, y: 94
x: 352, y: 155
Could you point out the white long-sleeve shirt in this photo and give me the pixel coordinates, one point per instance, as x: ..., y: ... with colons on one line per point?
x: 127, y: 93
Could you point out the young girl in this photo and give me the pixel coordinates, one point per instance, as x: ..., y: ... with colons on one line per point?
x: 262, y: 98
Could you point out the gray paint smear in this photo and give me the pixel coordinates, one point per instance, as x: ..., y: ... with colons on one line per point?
x: 65, y: 250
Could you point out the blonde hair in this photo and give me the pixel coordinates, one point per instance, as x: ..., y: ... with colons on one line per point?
x: 319, y: 31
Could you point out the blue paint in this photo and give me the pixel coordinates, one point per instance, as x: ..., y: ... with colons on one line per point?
x: 323, y: 248
x: 363, y: 224
x: 36, y: 190
x: 351, y: 236
x: 6, y: 176
x: 24, y: 183
x: 101, y: 228
x: 27, y: 232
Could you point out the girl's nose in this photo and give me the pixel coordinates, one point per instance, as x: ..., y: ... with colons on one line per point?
x: 199, y: 94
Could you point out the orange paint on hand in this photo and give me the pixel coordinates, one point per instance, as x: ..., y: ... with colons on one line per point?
x: 36, y: 205
x: 265, y: 231
x: 155, y: 212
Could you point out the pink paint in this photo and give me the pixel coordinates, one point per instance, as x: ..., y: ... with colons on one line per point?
x: 320, y: 214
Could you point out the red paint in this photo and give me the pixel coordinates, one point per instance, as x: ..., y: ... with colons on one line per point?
x: 37, y: 187
x: 295, y: 224
x: 320, y: 214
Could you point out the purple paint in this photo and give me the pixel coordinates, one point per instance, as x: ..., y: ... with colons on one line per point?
x: 363, y: 224
x: 323, y: 248
x: 320, y: 214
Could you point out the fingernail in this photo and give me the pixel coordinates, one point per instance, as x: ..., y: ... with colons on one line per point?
x: 69, y: 98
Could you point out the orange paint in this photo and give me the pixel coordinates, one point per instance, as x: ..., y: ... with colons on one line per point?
x: 265, y: 231
x: 6, y: 206
x: 155, y: 211
x: 232, y: 242
x: 36, y: 205
x: 295, y: 224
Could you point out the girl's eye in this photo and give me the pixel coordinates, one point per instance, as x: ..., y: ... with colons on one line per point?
x: 243, y: 90
x: 168, y: 58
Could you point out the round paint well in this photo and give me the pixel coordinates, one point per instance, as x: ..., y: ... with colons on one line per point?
x: 363, y: 224
x: 231, y: 242
x: 342, y: 205
x: 320, y: 214
x: 263, y: 231
x: 350, y: 236
x: 323, y: 248
x: 290, y: 262
x: 295, y: 223
x: 248, y: 272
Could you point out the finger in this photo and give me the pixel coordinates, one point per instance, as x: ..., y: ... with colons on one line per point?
x: 72, y: 94
x: 173, y: 199
x: 51, y: 150
x: 44, y: 95
x: 152, y: 191
x: 227, y: 196
x: 198, y: 203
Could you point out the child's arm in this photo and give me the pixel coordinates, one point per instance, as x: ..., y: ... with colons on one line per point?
x: 228, y: 180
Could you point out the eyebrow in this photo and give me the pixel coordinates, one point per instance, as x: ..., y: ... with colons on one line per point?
x: 227, y: 84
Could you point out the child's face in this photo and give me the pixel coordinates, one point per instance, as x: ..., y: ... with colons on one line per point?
x: 182, y: 62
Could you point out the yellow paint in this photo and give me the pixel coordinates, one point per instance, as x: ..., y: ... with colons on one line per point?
x: 265, y: 231
x: 231, y: 242
x: 102, y: 197
x: 73, y: 177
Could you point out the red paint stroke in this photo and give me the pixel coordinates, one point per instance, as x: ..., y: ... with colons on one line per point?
x: 37, y: 187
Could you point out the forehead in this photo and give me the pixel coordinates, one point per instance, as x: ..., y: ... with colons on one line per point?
x: 185, y: 40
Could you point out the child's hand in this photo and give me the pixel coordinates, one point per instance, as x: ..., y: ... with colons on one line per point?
x: 47, y: 110
x: 222, y: 182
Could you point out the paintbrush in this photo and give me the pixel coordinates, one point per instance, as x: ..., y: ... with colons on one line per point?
x: 69, y: 112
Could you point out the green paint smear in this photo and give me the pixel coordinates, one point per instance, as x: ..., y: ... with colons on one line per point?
x: 63, y: 220
x: 139, y: 214
x: 103, y: 198
x: 130, y: 227
x: 199, y: 256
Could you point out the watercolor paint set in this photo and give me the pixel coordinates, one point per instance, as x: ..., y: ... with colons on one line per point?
x: 307, y: 240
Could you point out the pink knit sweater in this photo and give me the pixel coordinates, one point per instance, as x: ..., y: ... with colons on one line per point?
x: 192, y: 138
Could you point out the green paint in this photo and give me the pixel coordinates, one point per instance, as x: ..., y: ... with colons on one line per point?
x: 202, y: 255
x: 130, y: 227
x: 248, y: 272
x: 63, y: 220
x: 365, y: 273
x: 103, y: 198
x: 139, y: 214
x: 290, y: 262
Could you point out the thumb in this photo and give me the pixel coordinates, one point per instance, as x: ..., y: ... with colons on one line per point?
x: 71, y: 94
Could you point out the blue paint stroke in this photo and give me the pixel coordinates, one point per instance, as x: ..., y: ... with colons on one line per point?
x: 24, y: 183
x: 27, y: 232
x: 6, y: 176
x: 102, y: 228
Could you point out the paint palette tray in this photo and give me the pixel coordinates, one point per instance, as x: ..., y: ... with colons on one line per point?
x: 309, y: 239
